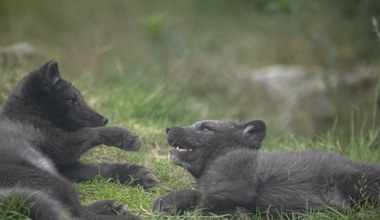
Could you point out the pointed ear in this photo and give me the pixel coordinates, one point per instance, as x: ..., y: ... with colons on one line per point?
x: 50, y: 73
x: 255, y: 126
x: 255, y: 132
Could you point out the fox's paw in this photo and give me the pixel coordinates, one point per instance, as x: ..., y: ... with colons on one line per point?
x: 117, y: 210
x: 138, y: 175
x: 144, y: 177
x: 109, y: 207
x: 178, y: 202
x: 164, y: 205
x: 122, y: 138
x: 130, y: 143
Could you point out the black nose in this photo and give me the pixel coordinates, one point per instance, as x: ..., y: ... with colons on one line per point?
x: 167, y: 130
x: 105, y: 121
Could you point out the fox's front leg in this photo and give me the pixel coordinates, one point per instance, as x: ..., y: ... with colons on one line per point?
x: 118, y: 137
x: 67, y: 149
x: 178, y: 202
x: 74, y: 144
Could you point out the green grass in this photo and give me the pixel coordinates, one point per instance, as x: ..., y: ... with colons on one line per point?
x: 13, y: 208
x: 145, y: 103
x: 148, y: 65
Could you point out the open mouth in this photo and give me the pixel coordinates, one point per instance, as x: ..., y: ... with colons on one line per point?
x: 181, y: 148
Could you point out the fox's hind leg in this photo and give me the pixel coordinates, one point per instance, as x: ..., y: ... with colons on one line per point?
x: 73, y: 145
x: 68, y: 149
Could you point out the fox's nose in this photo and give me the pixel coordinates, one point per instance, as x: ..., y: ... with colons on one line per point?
x: 167, y: 130
x: 105, y: 121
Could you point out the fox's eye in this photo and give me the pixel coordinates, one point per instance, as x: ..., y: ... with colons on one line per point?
x: 204, y: 128
x: 73, y: 100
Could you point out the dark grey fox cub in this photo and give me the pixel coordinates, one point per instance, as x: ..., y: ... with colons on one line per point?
x: 232, y: 173
x: 45, y: 127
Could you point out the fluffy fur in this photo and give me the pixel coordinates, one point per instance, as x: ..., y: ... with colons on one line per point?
x: 232, y: 173
x: 45, y: 127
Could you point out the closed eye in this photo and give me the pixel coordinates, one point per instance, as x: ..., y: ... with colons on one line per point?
x: 72, y: 100
x: 204, y: 128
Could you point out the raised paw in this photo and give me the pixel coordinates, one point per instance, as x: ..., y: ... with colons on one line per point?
x: 122, y: 138
x: 132, y: 143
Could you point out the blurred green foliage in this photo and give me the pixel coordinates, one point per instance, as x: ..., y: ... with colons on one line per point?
x: 329, y: 33
x: 151, y: 64
x: 193, y: 55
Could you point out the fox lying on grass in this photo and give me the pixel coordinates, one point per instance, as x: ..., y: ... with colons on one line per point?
x: 45, y: 127
x: 231, y: 172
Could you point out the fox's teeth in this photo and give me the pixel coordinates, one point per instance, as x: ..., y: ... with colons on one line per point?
x: 181, y: 149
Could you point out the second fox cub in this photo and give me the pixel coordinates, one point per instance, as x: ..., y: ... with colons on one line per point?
x: 232, y: 173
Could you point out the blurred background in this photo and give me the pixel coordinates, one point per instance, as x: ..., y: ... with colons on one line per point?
x: 304, y: 66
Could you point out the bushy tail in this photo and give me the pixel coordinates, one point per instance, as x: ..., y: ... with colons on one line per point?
x: 16, y: 203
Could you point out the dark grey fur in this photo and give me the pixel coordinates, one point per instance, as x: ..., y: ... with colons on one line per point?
x: 232, y: 173
x: 45, y: 127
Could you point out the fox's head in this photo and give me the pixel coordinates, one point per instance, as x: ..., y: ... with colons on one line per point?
x: 45, y: 94
x: 198, y: 144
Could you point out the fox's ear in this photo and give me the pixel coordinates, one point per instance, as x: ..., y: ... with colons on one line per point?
x: 255, y: 132
x: 50, y: 73
x: 256, y: 126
